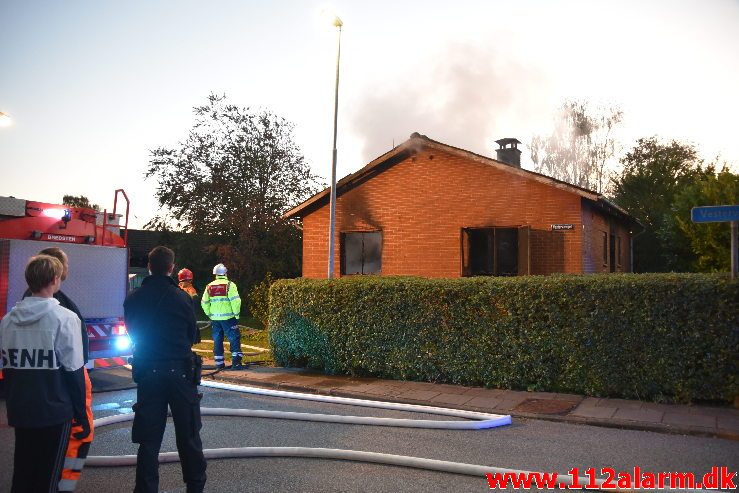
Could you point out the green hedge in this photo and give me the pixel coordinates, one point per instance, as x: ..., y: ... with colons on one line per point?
x: 645, y: 336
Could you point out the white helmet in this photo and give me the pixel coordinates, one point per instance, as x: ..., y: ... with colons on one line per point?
x: 220, y: 270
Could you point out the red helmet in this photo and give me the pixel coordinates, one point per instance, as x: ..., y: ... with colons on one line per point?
x: 184, y: 275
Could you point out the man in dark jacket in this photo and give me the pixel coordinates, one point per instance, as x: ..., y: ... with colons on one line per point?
x: 161, y: 323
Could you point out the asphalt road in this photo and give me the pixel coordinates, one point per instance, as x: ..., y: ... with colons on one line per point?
x: 527, y: 444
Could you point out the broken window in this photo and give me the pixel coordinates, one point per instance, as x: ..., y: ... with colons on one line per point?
x: 361, y: 253
x: 605, y: 248
x: 495, y: 251
x: 506, y: 251
x: 481, y: 251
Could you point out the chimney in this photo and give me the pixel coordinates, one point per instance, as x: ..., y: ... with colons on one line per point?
x: 508, y: 151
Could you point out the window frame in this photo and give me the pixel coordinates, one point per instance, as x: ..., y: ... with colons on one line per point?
x: 605, y: 248
x: 342, y: 246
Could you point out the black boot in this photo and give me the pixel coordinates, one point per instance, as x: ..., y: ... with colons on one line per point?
x: 236, y: 363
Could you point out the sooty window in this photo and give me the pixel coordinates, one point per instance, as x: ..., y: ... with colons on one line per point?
x: 361, y: 253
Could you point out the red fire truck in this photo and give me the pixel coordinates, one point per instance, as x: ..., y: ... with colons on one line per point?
x: 98, y: 264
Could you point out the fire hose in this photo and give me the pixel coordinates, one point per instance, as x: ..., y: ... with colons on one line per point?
x: 474, y: 421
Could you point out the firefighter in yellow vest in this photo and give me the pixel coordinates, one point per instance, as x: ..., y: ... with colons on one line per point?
x: 222, y: 304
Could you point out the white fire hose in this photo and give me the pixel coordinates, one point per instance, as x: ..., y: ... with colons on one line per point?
x: 476, y: 421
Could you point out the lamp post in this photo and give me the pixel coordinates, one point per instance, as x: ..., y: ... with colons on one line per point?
x: 332, y: 216
x: 5, y: 120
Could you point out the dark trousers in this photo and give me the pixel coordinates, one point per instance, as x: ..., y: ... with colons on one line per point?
x: 39, y: 458
x: 157, y: 388
x: 231, y: 330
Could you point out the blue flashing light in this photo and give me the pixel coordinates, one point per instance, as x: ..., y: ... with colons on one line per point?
x: 122, y: 343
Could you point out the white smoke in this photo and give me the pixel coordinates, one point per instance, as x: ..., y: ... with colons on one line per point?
x: 465, y: 95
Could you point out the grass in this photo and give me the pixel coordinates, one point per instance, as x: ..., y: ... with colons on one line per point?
x: 252, y: 334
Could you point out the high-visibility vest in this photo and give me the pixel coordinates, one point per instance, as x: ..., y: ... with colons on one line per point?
x: 221, y: 299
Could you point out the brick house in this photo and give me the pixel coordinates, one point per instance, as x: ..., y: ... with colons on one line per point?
x: 429, y: 209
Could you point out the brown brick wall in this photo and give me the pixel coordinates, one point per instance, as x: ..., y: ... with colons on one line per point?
x: 422, y: 203
x: 595, y: 224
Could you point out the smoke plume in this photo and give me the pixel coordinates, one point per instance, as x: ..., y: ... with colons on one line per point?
x: 466, y: 96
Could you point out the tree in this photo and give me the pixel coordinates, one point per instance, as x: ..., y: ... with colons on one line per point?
x: 581, y: 146
x: 710, y: 242
x: 229, y: 182
x: 654, y: 174
x: 79, y: 201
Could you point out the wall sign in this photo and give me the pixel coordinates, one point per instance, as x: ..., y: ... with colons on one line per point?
x: 562, y: 227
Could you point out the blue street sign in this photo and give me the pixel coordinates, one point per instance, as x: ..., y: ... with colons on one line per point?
x: 715, y: 214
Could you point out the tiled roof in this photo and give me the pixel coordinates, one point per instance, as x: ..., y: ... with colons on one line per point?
x: 418, y: 141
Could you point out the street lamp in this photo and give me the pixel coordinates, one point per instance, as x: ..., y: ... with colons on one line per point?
x: 5, y: 120
x: 332, y: 217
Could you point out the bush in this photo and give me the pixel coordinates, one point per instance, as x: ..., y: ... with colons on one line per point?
x: 649, y: 336
x: 259, y: 299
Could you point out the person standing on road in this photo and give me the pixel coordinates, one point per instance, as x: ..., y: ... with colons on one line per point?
x: 184, y: 278
x: 64, y: 300
x: 41, y: 349
x: 161, y: 324
x: 77, y: 450
x: 222, y: 304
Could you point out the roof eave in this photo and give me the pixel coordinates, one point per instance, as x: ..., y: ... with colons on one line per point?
x: 295, y: 211
x: 418, y: 141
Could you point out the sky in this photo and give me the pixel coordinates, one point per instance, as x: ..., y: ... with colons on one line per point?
x: 93, y: 86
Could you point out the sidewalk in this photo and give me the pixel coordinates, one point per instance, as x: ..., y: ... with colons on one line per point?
x: 569, y: 408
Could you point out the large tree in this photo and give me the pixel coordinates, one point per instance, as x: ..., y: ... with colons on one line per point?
x: 229, y: 182
x: 581, y: 147
x: 710, y: 243
x: 654, y: 173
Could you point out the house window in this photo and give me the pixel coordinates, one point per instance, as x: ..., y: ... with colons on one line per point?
x: 481, y: 252
x: 495, y: 251
x: 605, y: 248
x: 361, y: 253
x: 618, y: 250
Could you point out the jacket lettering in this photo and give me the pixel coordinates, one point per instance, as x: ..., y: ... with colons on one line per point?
x: 29, y: 358
x: 45, y: 355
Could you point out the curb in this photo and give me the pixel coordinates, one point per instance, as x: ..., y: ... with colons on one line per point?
x: 576, y: 420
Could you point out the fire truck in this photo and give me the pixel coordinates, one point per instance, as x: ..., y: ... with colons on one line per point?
x: 96, y: 244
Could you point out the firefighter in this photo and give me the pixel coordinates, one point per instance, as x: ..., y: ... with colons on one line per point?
x: 77, y: 449
x: 222, y: 304
x: 46, y: 390
x: 161, y: 324
x: 185, y: 277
